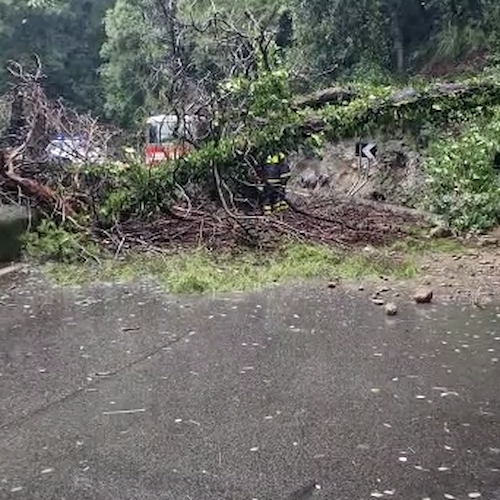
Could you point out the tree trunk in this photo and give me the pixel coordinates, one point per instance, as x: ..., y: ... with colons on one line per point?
x: 397, y: 36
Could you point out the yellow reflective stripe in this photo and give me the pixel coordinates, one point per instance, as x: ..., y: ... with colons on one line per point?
x: 274, y: 159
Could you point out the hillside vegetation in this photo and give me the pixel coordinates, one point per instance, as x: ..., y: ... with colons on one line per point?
x: 426, y: 71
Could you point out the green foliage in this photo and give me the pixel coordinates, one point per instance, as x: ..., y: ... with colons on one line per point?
x: 131, y: 49
x: 463, y: 185
x: 66, y: 35
x: 332, y: 36
x: 51, y: 242
x: 204, y: 272
x: 382, y: 109
x: 329, y: 38
x: 335, y: 35
x: 129, y: 189
x: 367, y: 74
x: 267, y: 123
x: 454, y: 41
x: 259, y: 120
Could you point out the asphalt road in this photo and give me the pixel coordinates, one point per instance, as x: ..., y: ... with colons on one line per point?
x: 120, y: 392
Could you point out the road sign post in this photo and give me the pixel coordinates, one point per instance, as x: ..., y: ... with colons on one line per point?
x: 366, y: 150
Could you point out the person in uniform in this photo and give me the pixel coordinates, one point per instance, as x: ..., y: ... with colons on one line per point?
x: 276, y: 173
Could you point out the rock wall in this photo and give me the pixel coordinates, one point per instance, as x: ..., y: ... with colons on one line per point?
x: 395, y: 177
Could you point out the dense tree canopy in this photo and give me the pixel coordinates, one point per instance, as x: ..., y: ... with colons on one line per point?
x: 66, y: 35
x: 120, y: 57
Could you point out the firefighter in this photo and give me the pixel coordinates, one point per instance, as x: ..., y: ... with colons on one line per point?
x: 276, y: 174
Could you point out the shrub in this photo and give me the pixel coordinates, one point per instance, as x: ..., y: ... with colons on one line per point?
x: 462, y: 183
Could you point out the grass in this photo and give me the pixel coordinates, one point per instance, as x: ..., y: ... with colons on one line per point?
x: 413, y: 247
x: 204, y: 272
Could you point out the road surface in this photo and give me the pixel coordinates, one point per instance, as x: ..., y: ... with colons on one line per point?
x: 121, y: 392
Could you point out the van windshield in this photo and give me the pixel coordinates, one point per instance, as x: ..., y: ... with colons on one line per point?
x: 168, y: 129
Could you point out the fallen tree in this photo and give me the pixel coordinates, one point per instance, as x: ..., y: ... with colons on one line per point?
x: 27, y: 171
x: 405, y: 111
x: 205, y: 197
x: 333, y: 95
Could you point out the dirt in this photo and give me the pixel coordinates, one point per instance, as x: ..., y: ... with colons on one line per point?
x: 469, y: 64
x: 471, y: 275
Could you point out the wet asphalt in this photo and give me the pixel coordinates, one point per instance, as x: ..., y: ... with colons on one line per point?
x: 121, y: 392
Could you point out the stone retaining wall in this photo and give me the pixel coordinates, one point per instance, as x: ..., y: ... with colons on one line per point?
x: 13, y: 223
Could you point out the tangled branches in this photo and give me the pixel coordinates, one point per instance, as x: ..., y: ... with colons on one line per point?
x: 39, y: 132
x: 212, y: 227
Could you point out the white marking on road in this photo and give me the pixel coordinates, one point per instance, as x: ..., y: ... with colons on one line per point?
x: 124, y: 412
x: 449, y: 393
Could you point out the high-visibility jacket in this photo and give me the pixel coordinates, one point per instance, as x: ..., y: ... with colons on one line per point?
x: 275, y: 159
x: 276, y: 169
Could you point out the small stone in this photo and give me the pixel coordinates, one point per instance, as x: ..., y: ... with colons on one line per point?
x: 391, y: 309
x: 361, y: 288
x: 423, y: 296
x: 332, y: 284
x: 378, y: 302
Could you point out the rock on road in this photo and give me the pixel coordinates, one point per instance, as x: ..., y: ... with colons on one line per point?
x: 121, y: 392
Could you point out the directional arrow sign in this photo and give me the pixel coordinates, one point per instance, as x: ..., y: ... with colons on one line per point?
x: 369, y: 151
x: 366, y: 150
